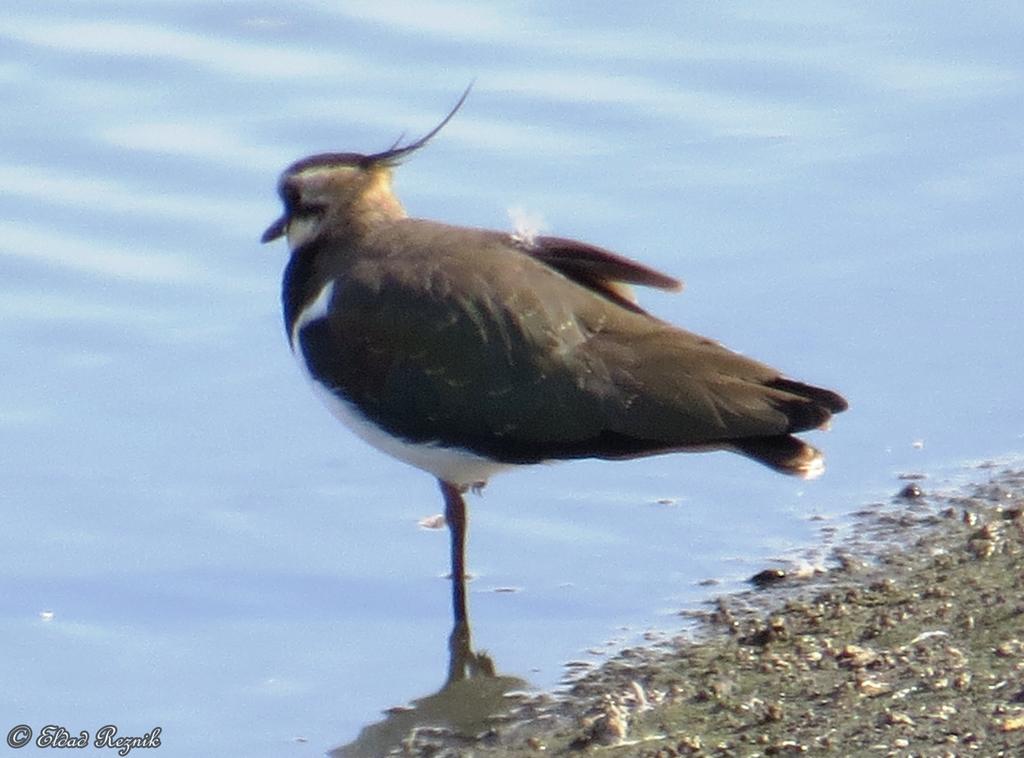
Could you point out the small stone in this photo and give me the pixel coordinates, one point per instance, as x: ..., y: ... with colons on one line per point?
x: 855, y: 656
x: 1010, y: 648
x: 982, y: 548
x: 690, y: 744
x: 897, y: 718
x: 1012, y: 723
x: 991, y: 531
x: 785, y: 747
x: 609, y: 725
x: 767, y: 577
x: 910, y: 492
x: 942, y: 713
x: 873, y: 687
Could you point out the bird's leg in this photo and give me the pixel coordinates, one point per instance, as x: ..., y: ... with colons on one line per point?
x: 462, y: 661
x: 459, y: 646
x: 455, y: 515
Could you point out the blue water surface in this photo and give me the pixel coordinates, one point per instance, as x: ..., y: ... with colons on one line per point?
x: 192, y: 542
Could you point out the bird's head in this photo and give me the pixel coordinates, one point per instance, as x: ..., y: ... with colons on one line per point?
x: 344, y: 190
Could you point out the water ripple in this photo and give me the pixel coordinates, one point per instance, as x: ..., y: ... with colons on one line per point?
x: 52, y: 185
x: 100, y: 258
x: 118, y: 38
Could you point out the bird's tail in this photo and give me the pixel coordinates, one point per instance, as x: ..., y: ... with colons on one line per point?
x: 807, y: 407
x: 783, y: 453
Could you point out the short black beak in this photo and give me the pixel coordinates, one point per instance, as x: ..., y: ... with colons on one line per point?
x: 275, y: 230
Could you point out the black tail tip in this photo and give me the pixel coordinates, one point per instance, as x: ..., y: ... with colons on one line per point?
x: 831, y: 401
x: 783, y: 453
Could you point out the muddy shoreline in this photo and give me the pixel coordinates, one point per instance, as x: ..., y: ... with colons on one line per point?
x: 912, y: 644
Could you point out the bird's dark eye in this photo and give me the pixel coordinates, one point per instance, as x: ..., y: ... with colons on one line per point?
x: 295, y: 204
x: 290, y: 196
x: 304, y: 209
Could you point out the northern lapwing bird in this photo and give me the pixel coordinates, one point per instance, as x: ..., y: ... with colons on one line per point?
x: 465, y: 352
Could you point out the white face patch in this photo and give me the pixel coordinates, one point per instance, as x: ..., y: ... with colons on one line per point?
x: 318, y: 186
x: 301, y: 229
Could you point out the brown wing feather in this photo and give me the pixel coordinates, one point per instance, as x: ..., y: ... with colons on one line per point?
x: 603, y: 271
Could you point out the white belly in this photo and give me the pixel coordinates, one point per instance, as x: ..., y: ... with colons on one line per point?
x: 453, y: 465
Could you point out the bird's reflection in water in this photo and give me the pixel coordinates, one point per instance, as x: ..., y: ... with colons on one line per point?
x: 472, y: 695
